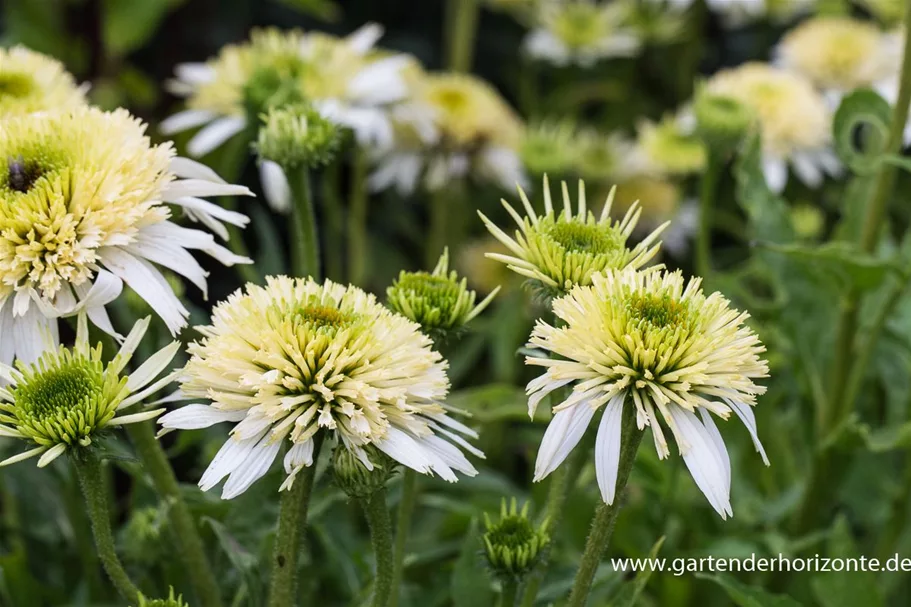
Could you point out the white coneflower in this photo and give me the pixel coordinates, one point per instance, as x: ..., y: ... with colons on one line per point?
x: 82, y: 210
x: 31, y: 82
x: 840, y: 54
x: 581, y: 32
x: 343, y: 78
x: 68, y: 397
x: 297, y: 357
x: 649, y: 341
x: 561, y: 249
x: 738, y: 12
x: 793, y: 119
x: 455, y: 126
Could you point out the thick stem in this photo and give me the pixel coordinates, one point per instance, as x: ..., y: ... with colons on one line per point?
x: 606, y: 515
x: 334, y: 235
x: 439, y: 220
x: 461, y: 28
x: 292, y: 520
x: 91, y: 480
x: 509, y: 594
x: 304, y: 239
x: 820, y: 486
x: 707, y: 190
x: 403, y: 524
x: 381, y: 537
x: 357, y: 219
x: 189, y: 543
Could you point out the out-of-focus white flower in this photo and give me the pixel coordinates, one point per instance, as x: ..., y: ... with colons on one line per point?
x: 32, y: 82
x: 667, y: 148
x: 738, y: 12
x: 82, y: 210
x: 648, y: 340
x: 298, y: 357
x: 454, y: 126
x: 345, y: 79
x: 793, y: 118
x: 581, y: 32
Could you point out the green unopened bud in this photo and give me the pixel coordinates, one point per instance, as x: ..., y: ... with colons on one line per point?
x: 171, y: 601
x: 721, y: 120
x: 808, y: 221
x: 670, y: 150
x: 513, y: 545
x: 438, y: 301
x: 141, y: 540
x: 353, y: 475
x: 549, y: 147
x: 297, y: 135
x: 274, y: 86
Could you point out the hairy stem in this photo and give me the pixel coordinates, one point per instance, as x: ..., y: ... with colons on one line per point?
x: 191, y: 549
x: 292, y: 520
x: 91, y: 480
x: 381, y: 537
x: 357, y: 219
x: 707, y: 190
x: 304, y: 239
x: 606, y: 515
x: 509, y: 594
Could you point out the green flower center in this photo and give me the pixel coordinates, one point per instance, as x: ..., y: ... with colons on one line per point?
x: 324, y: 316
x: 658, y: 311
x: 586, y: 238
x: 16, y: 85
x: 511, y: 532
x: 57, y: 389
x: 433, y: 291
x: 273, y: 86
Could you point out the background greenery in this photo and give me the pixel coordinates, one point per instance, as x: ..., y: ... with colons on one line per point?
x: 793, y: 288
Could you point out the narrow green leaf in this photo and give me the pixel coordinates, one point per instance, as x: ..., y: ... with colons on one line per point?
x: 749, y: 596
x: 629, y: 593
x: 470, y: 583
x: 845, y: 261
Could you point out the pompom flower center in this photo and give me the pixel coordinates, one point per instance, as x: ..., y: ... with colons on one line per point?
x: 659, y: 311
x: 325, y: 317
x: 512, y: 532
x: 57, y: 389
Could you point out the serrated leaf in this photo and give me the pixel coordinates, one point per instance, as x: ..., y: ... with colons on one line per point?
x: 629, y: 593
x: 245, y: 562
x: 845, y: 588
x: 749, y: 596
x: 863, y: 115
x: 845, y: 261
x: 470, y: 583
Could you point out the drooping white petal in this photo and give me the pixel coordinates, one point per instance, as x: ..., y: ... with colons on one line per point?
x: 151, y: 368
x: 252, y: 469
x: 215, y: 134
x: 188, y: 168
x: 275, y: 186
x: 364, y: 38
x: 703, y: 460
x: 201, y: 187
x: 134, y: 337
x: 194, y: 417
x: 231, y: 455
x: 745, y: 413
x: 563, y: 433
x: 607, y: 448
x: 775, y: 170
x: 403, y: 449
x: 718, y: 442
x: 187, y: 119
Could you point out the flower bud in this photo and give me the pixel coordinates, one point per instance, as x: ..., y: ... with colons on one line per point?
x: 142, y: 540
x: 359, y: 478
x: 171, y: 601
x: 721, y: 120
x: 297, y: 135
x: 513, y: 545
x: 438, y: 301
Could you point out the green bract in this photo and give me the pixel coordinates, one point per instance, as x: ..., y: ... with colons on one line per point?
x: 438, y: 301
x: 354, y: 477
x: 512, y: 545
x: 171, y: 601
x: 297, y: 135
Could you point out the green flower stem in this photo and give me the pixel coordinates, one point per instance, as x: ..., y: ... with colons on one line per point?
x: 381, y: 536
x: 509, y: 594
x: 230, y: 166
x: 439, y: 220
x: 335, y: 223
x: 292, y: 520
x: 82, y: 534
x: 461, y: 28
x: 189, y: 543
x: 304, y: 238
x: 707, y: 191
x: 605, y: 516
x: 563, y: 479
x: 91, y: 480
x: 403, y: 523
x: 821, y: 485
x: 357, y: 219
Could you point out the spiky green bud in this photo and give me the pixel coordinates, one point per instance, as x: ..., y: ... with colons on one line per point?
x: 513, y: 545
x: 142, y: 540
x: 438, y: 301
x: 298, y: 135
x: 354, y: 477
x: 171, y: 601
x: 721, y: 121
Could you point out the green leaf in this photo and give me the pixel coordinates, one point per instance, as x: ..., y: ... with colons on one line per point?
x: 889, y: 438
x: 129, y: 24
x: 470, y: 583
x: 324, y: 10
x: 749, y: 596
x: 767, y: 212
x: 845, y: 588
x: 844, y: 261
x: 493, y: 402
x: 246, y: 563
x: 629, y: 593
x: 863, y: 115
